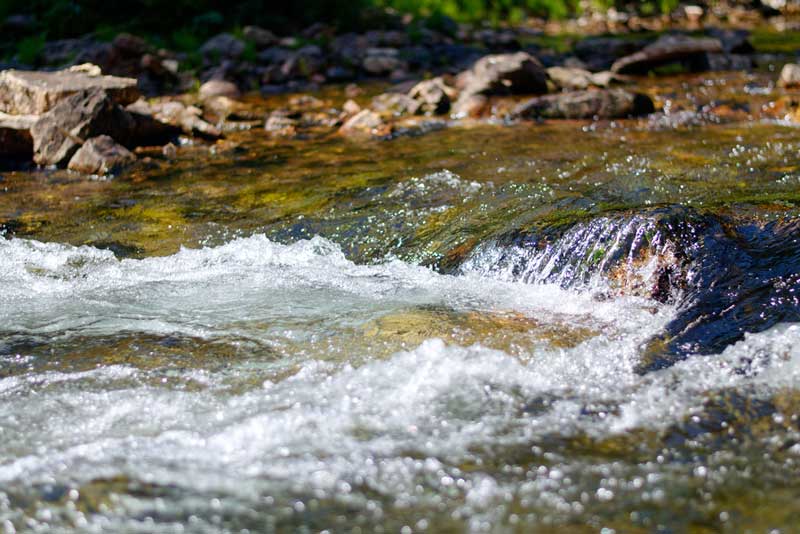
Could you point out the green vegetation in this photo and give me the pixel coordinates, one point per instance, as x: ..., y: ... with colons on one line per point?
x: 175, y: 20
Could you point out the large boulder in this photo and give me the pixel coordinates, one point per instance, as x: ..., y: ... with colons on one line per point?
x: 101, y: 156
x: 15, y: 135
x: 667, y: 49
x: 59, y: 133
x: 34, y: 93
x: 505, y: 74
x: 601, y: 104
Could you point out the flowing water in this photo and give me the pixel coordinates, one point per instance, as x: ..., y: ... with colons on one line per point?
x: 583, y: 327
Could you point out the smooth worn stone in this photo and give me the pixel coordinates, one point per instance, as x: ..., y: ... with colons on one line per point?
x: 600, y: 104
x: 505, y: 74
x: 101, y: 156
x: 570, y: 78
x: 667, y: 49
x: 303, y: 63
x: 34, y: 93
x: 15, y: 135
x: 281, y: 126
x: 213, y: 88
x: 790, y: 75
x: 433, y: 95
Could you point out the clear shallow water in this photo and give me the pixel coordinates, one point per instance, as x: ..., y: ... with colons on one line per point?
x: 325, y: 394
x: 604, y: 339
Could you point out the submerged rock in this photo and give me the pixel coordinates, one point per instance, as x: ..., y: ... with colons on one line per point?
x: 101, y: 156
x: 34, y: 93
x: 666, y: 49
x: 601, y: 104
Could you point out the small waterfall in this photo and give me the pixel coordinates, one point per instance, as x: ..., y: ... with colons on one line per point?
x: 626, y: 251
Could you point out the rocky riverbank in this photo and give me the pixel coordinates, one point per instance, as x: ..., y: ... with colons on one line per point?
x: 108, y: 103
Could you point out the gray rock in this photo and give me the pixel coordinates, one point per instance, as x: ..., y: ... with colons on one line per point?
x: 667, y: 49
x: 34, y: 93
x: 101, y: 156
x: 790, y: 75
x: 15, y: 135
x: 223, y: 45
x: 503, y: 74
x: 304, y: 63
x: 469, y: 106
x: 433, y: 96
x: 601, y: 104
x: 260, y: 37
x: 382, y: 61
x: 59, y: 133
x: 736, y: 62
x: 574, y: 79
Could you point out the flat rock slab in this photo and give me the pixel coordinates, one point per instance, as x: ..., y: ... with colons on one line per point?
x: 35, y: 92
x: 15, y: 135
x: 666, y: 49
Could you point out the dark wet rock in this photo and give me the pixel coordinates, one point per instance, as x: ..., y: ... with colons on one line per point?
x: 274, y: 55
x: 34, y: 92
x: 734, y: 41
x: 260, y: 37
x: 505, y: 74
x: 721, y: 62
x: 15, y: 136
x: 304, y: 62
x: 130, y: 45
x: 790, y: 75
x: 433, y: 96
x: 223, y: 45
x: 601, y: 104
x: 337, y: 73
x: 100, y: 156
x: 214, y: 88
x: 599, y: 53
x: 665, y: 50
x: 396, y: 104
x: 380, y: 61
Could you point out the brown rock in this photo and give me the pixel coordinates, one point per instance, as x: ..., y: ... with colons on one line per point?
x: 601, y: 104
x: 101, y: 156
x: 395, y: 104
x: 366, y: 122
x: 667, y: 49
x: 504, y: 74
x: 34, y: 93
x: 469, y: 106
